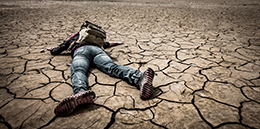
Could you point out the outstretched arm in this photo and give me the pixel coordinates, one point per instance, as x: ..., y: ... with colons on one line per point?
x: 64, y: 46
x: 111, y: 44
x: 60, y: 48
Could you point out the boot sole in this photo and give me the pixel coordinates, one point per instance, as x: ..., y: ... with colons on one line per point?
x: 146, y: 89
x: 67, y: 105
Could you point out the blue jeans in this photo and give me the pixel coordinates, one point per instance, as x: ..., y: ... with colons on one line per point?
x: 84, y: 56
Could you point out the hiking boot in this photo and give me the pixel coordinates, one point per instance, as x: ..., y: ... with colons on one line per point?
x: 68, y: 104
x: 145, y: 84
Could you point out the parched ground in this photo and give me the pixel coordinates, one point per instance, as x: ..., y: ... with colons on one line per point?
x: 205, y: 53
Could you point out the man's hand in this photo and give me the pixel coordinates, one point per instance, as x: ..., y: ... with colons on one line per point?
x: 50, y: 48
x: 115, y: 43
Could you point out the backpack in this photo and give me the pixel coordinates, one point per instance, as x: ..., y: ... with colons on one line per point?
x: 90, y: 33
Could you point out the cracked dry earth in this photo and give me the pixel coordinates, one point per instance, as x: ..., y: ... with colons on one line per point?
x: 206, y: 56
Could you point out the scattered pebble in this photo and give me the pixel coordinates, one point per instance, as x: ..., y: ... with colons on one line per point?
x: 5, y: 52
x: 42, y: 50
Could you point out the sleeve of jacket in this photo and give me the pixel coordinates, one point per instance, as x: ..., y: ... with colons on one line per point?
x: 106, y: 45
x: 64, y: 46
